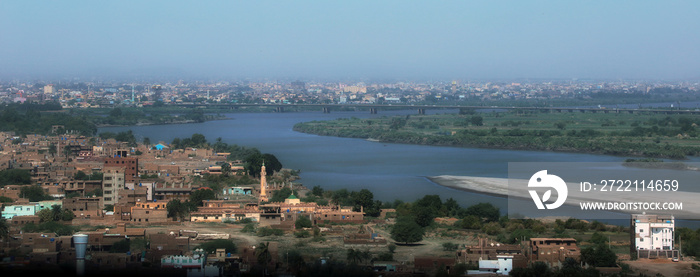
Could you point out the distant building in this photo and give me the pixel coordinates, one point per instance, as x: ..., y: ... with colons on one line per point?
x: 49, y: 89
x: 299, y: 86
x: 553, y: 250
x: 486, y: 250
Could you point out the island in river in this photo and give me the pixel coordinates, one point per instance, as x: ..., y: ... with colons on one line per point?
x: 641, y: 135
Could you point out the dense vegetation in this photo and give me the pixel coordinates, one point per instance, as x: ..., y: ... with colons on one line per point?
x: 690, y: 240
x: 140, y: 116
x: 31, y: 118
x: 15, y: 177
x: 647, y: 135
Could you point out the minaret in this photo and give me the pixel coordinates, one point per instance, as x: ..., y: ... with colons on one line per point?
x: 263, y: 183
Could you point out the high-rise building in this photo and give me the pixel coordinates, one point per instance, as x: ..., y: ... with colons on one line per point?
x: 112, y: 181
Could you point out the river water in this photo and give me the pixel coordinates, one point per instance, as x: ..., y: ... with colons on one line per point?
x: 390, y: 171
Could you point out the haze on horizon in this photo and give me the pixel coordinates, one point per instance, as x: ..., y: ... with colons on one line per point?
x: 351, y: 39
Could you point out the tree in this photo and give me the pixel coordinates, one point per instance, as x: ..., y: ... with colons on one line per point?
x: 52, y: 149
x: 295, y: 260
x: 55, y: 213
x: 448, y: 246
x: 4, y: 229
x: 80, y: 175
x: 281, y: 194
x: 138, y: 245
x: 255, y: 161
x: 177, y: 210
x: 477, y: 120
x: 357, y: 256
x: 45, y: 215
x: 317, y: 190
x: 364, y: 198
x: 391, y: 247
x: 176, y: 144
x: 491, y: 228
x: 121, y: 246
x: 116, y: 112
x: 406, y: 230
x: 302, y: 222
x: 470, y: 222
x: 598, y: 238
x: 339, y: 196
x: 34, y: 193
x: 226, y: 169
x: 599, y: 256
x: 197, y: 196
x: 427, y: 208
x: 262, y: 254
x: 67, y: 215
x: 147, y: 141
x: 485, y: 211
x: 211, y: 246
x: 15, y: 177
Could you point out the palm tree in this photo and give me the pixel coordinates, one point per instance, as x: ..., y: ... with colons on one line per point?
x: 4, y: 229
x: 56, y: 212
x: 262, y: 253
x: 226, y: 168
x: 353, y: 256
x: 357, y: 256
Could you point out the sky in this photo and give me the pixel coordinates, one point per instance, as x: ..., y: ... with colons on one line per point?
x: 351, y: 39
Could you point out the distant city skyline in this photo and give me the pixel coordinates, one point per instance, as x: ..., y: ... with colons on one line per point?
x: 355, y: 40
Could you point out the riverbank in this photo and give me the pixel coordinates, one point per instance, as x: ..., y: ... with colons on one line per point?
x: 518, y: 188
x: 654, y: 136
x: 161, y: 123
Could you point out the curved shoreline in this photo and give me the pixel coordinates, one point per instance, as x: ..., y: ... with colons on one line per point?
x: 500, y: 187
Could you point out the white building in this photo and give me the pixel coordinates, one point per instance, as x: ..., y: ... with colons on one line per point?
x: 653, y: 232
x: 502, y: 265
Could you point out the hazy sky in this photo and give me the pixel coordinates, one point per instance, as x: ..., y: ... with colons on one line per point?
x: 352, y: 39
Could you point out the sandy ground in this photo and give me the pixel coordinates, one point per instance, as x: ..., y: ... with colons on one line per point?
x: 500, y: 187
x: 663, y: 266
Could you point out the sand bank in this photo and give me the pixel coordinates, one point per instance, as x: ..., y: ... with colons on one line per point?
x: 518, y: 188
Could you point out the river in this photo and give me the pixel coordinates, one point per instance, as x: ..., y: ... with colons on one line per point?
x: 390, y: 171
